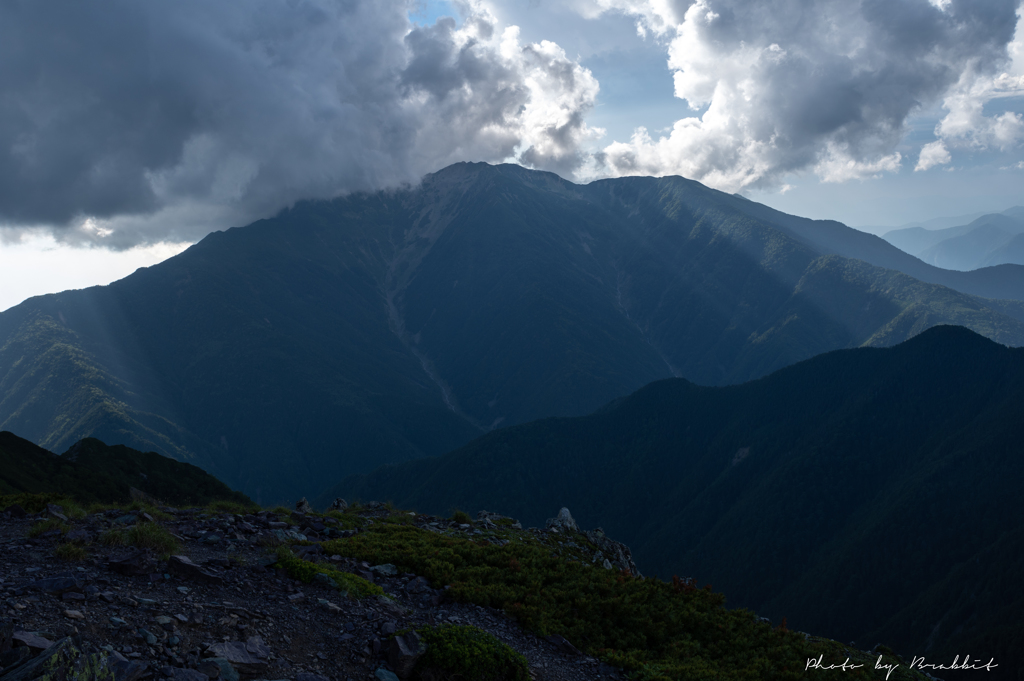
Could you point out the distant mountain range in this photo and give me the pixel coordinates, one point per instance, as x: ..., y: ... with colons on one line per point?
x: 988, y: 240
x: 378, y: 328
x: 868, y: 494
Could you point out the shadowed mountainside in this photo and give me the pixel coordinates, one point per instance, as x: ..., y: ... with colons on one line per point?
x: 91, y: 472
x: 346, y: 334
x: 870, y: 494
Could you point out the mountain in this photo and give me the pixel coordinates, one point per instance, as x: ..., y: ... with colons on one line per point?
x: 378, y: 328
x: 92, y: 472
x: 915, y: 240
x: 1012, y: 251
x: 867, y: 494
x: 964, y: 247
x: 925, y: 225
x: 831, y: 237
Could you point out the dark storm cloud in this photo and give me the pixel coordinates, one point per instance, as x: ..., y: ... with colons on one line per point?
x: 146, y: 121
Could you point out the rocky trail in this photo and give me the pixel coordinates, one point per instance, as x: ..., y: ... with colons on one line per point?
x: 220, y: 608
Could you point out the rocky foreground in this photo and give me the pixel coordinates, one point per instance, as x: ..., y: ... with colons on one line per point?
x: 220, y: 606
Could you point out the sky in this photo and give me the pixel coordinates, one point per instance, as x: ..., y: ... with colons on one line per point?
x: 130, y: 130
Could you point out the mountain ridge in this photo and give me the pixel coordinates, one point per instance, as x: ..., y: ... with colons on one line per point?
x: 376, y: 328
x: 881, y: 471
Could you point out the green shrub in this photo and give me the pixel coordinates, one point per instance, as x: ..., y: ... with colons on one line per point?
x: 465, y: 652
x: 305, y: 571
x: 70, y: 552
x: 144, y: 536
x: 236, y: 507
x: 35, y: 503
x: 42, y: 526
x: 461, y: 517
x: 656, y: 630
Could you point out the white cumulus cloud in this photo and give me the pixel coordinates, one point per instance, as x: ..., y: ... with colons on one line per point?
x: 778, y: 86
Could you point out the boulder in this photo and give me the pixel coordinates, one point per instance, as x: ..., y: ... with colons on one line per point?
x: 56, y: 585
x: 181, y: 674
x: 185, y: 568
x: 563, y: 522
x: 404, y: 652
x: 562, y: 645
x: 135, y: 563
x: 303, y: 506
x: 619, y: 554
x: 16, y: 511
x: 55, y: 511
x: 385, y: 570
x: 339, y: 504
x: 31, y: 641
x: 240, y: 657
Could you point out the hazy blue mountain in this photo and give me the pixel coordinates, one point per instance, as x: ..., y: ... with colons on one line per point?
x: 915, y: 240
x: 1010, y: 252
x: 964, y: 247
x: 829, y: 236
x: 377, y: 328
x: 863, y: 493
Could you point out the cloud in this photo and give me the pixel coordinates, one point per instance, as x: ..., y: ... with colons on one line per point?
x: 932, y: 154
x: 124, y: 123
x: 779, y: 86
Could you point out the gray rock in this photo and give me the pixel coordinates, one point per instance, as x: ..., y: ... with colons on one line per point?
x: 184, y: 567
x: 306, y: 676
x: 79, y: 536
x: 404, y: 652
x: 562, y: 645
x: 619, y: 553
x: 563, y: 522
x: 418, y: 585
x: 303, y: 506
x: 325, y: 580
x: 31, y: 641
x: 488, y: 517
x: 225, y: 671
x: 210, y: 668
x: 385, y: 570
x: 240, y: 657
x: 16, y: 511
x: 339, y: 504
x: 135, y: 563
x: 57, y: 584
x: 384, y: 675
x: 180, y: 674
x: 55, y: 511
